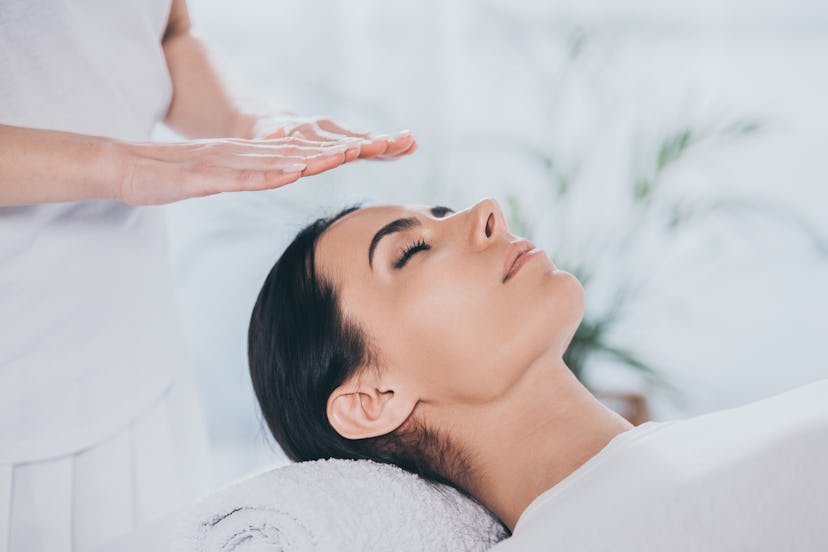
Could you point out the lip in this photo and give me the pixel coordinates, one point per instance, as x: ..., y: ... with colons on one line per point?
x: 514, y: 257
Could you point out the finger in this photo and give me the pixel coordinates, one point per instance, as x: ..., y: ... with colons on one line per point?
x: 314, y: 164
x: 294, y: 153
x: 349, y: 152
x: 229, y: 151
x: 354, y: 141
x: 316, y: 158
x: 301, y: 140
x: 267, y: 180
x: 296, y: 146
x: 254, y: 179
x: 323, y: 164
x: 276, y: 179
x: 291, y: 141
x: 205, y: 179
x: 313, y: 133
x: 411, y: 149
x: 399, y: 144
x: 329, y: 126
x: 352, y: 154
x: 274, y: 142
x: 376, y: 145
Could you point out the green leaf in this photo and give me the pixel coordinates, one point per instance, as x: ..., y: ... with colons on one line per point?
x: 673, y: 147
x: 642, y: 187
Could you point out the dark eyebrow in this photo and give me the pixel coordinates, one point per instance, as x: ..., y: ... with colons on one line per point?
x: 399, y: 225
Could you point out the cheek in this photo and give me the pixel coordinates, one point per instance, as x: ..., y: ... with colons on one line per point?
x: 457, y: 332
x: 470, y: 340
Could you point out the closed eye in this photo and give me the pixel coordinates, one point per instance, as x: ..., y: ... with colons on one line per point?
x: 400, y: 225
x: 408, y: 251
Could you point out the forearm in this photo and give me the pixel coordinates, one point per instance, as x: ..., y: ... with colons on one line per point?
x: 44, y: 166
x: 205, y: 102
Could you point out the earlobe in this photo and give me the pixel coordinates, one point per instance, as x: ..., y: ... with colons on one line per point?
x: 365, y: 411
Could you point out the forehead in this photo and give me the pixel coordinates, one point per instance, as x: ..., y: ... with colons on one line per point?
x: 344, y: 244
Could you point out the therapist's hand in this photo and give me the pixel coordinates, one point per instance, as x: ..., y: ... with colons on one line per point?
x: 322, y: 129
x: 284, y: 148
x: 151, y: 173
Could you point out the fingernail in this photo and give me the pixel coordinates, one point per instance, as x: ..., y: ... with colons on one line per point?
x: 294, y: 168
x: 404, y: 132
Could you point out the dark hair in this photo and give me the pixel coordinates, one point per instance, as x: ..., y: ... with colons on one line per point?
x: 301, y: 347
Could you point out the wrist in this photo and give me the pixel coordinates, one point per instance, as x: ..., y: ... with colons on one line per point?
x: 112, y: 160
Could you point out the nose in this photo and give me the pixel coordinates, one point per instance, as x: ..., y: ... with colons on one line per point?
x: 487, y: 223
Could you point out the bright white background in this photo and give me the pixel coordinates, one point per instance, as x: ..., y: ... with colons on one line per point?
x: 736, y: 310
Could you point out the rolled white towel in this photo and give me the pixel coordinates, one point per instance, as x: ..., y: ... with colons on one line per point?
x: 329, y: 505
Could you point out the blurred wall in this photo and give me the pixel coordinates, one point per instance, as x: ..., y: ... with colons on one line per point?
x: 509, y: 99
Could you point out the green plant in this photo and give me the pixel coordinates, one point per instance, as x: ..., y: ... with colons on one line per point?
x: 653, y: 209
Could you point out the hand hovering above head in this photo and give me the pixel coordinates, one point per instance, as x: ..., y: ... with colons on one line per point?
x: 283, y: 149
x: 324, y: 130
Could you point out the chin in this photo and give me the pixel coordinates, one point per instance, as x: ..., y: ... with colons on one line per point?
x: 566, y: 306
x: 577, y: 291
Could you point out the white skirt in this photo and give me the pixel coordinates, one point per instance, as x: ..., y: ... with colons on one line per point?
x: 157, y: 464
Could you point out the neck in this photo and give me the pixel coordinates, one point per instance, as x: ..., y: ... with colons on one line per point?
x: 541, y: 431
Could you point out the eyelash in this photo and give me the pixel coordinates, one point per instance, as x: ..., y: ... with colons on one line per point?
x: 408, y: 251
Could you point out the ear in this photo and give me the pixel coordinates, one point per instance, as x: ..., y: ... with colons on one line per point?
x: 363, y: 407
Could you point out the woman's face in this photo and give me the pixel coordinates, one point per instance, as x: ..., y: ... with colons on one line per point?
x: 443, y: 320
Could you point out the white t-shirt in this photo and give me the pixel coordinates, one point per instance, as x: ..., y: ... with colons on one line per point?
x: 752, y: 478
x: 89, y: 330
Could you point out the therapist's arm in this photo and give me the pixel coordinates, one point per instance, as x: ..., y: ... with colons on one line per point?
x: 234, y: 148
x: 208, y: 103
x: 46, y: 166
x: 203, y: 104
x: 42, y: 166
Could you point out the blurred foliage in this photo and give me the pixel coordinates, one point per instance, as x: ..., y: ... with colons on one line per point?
x: 655, y: 206
x: 652, y: 209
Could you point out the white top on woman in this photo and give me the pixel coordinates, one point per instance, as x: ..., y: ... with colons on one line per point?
x: 748, y: 478
x: 89, y: 331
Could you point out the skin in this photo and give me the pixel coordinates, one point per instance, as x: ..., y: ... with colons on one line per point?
x: 233, y: 143
x: 477, y: 358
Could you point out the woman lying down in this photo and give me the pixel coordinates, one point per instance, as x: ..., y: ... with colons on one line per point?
x: 433, y: 340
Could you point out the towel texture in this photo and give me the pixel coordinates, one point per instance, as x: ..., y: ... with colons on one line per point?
x: 329, y: 505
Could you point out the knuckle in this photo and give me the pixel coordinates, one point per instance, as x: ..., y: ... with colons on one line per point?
x: 273, y: 177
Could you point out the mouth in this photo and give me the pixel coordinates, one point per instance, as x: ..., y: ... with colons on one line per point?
x: 514, y: 257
